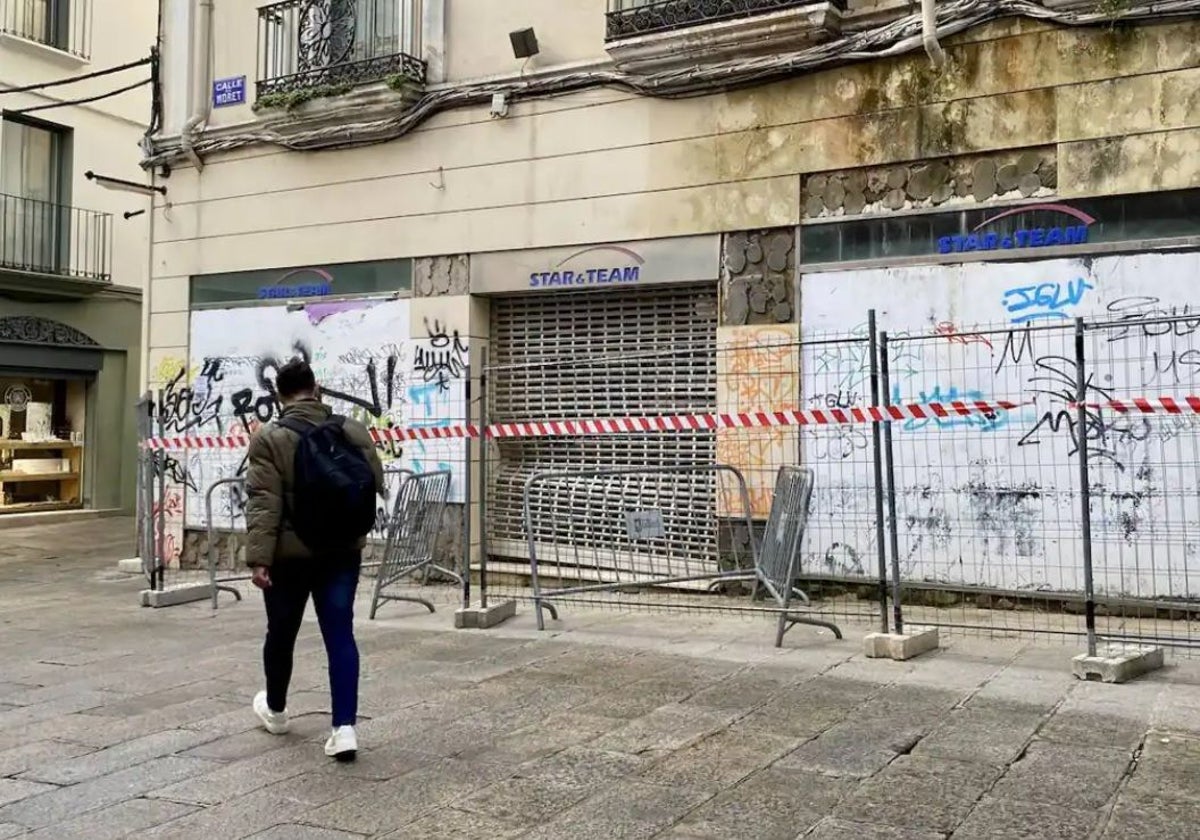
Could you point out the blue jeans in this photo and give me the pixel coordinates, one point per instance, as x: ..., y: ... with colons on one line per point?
x: 332, y: 584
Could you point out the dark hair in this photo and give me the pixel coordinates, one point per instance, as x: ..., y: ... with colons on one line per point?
x: 294, y: 379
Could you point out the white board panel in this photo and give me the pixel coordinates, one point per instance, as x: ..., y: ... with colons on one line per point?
x: 367, y: 364
x: 995, y: 500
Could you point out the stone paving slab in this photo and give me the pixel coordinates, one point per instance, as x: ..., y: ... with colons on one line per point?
x: 454, y: 824
x: 231, y: 780
x: 835, y: 829
x: 1152, y: 818
x: 18, y: 760
x: 612, y: 725
x: 1037, y: 777
x: 1002, y: 819
x: 14, y: 790
x: 625, y: 809
x: 919, y: 796
x: 294, y: 831
x: 59, y: 804
x: 102, y: 762
x: 243, y: 816
x: 121, y: 820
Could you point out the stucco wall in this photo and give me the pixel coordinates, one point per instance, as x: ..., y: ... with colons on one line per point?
x: 478, y: 45
x: 106, y: 132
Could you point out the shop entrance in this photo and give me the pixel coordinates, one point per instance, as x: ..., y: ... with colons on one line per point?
x: 638, y: 353
x: 45, y: 379
x: 42, y: 422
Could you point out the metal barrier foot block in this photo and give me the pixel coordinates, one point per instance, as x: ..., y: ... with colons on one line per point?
x: 132, y: 566
x: 1118, y: 663
x: 478, y: 618
x: 157, y: 598
x: 900, y: 646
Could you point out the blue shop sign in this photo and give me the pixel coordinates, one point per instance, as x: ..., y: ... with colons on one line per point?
x: 231, y: 91
x: 1074, y: 231
x: 583, y: 269
x: 301, y: 283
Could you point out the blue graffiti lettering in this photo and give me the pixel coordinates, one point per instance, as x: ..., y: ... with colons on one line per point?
x: 1045, y: 301
x: 984, y: 421
x: 430, y: 400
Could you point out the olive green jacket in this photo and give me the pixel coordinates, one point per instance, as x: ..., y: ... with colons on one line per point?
x: 270, y: 475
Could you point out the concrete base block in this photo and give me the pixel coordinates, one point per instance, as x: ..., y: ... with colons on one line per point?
x: 900, y: 646
x: 478, y: 618
x: 177, y: 595
x: 132, y: 566
x: 1117, y: 663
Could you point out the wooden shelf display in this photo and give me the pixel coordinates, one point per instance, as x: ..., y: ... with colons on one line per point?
x: 27, y: 485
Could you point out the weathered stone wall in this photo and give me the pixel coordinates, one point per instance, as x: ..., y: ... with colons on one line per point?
x: 944, y: 183
x: 441, y: 276
x: 759, y: 270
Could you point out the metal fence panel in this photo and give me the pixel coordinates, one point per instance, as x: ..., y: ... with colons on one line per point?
x: 591, y: 533
x: 779, y: 553
x: 1141, y: 428
x: 145, y: 489
x: 985, y: 506
x: 221, y: 583
x: 416, y: 520
x: 673, y: 394
x: 778, y: 561
x: 595, y: 536
x: 844, y: 542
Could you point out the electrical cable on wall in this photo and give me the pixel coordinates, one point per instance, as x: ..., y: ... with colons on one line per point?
x: 156, y: 97
x: 39, y: 86
x: 83, y: 100
x: 891, y: 39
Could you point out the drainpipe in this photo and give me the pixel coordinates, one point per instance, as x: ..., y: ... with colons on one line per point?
x: 929, y: 33
x: 202, y: 45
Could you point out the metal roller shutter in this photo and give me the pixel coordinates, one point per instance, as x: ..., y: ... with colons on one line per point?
x: 641, y: 352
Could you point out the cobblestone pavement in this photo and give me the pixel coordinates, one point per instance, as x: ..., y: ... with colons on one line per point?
x: 117, y: 721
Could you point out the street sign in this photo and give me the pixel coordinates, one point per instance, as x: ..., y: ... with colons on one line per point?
x: 231, y: 91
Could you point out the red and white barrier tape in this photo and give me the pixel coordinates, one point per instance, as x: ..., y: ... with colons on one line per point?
x: 746, y: 420
x: 637, y: 425
x: 1148, y: 405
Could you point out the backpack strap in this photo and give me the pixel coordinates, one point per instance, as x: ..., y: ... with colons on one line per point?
x: 300, y: 427
x: 303, y: 427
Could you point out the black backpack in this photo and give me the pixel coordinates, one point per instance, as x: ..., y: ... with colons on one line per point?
x: 333, y: 503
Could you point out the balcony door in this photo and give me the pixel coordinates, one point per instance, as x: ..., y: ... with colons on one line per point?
x: 337, y: 32
x: 33, y: 218
x: 43, y: 21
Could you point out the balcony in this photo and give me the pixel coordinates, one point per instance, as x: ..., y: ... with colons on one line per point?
x: 51, y: 251
x: 326, y: 47
x: 649, y: 35
x: 61, y: 25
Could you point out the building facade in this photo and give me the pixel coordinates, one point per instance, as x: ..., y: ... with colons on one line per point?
x: 400, y: 189
x: 73, y: 265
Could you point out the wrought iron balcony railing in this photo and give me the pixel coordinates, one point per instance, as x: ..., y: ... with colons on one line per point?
x: 38, y: 237
x: 64, y: 25
x: 629, y: 18
x: 307, y: 44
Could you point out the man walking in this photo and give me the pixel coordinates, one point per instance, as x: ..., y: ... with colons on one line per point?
x: 311, y: 483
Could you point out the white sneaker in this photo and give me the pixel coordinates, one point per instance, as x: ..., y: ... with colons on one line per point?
x: 342, y: 744
x: 274, y: 722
